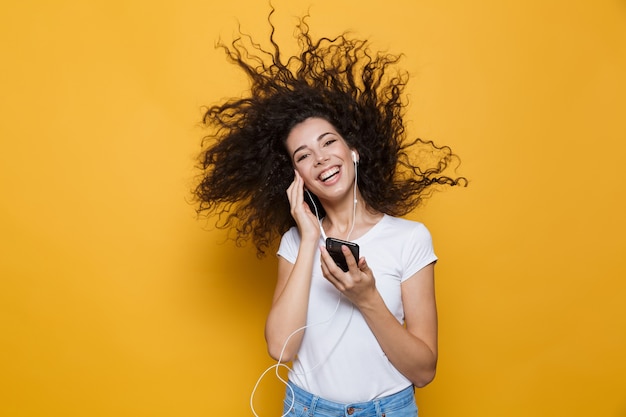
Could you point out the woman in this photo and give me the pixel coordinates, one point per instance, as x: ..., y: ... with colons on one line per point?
x: 326, y: 127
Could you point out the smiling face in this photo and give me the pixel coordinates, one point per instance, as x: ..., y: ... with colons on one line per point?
x: 322, y: 158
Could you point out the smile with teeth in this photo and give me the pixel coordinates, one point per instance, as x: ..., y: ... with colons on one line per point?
x: 329, y: 173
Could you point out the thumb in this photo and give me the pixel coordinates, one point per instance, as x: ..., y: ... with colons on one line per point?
x: 363, y: 266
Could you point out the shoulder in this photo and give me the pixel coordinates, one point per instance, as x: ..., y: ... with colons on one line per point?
x: 292, y: 233
x: 405, y: 227
x: 415, y: 245
x: 289, y: 244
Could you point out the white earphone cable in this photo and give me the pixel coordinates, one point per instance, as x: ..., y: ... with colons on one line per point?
x: 279, y: 363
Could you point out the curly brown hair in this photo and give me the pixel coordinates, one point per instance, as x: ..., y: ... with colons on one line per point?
x: 245, y: 166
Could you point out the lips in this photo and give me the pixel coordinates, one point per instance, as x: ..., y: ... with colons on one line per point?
x: 329, y: 173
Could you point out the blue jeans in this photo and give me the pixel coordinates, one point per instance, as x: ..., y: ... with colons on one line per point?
x: 401, y: 404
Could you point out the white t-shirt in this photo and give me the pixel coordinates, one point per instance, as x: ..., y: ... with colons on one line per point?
x: 340, y: 359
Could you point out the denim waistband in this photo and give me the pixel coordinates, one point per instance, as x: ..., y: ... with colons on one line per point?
x: 373, y: 408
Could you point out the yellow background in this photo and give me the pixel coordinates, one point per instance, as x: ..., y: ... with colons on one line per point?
x: 116, y: 301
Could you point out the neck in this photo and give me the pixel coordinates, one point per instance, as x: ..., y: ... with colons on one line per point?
x: 342, y: 220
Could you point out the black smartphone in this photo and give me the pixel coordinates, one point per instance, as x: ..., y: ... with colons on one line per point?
x: 333, y: 246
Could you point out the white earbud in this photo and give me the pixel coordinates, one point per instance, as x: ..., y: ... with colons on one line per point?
x: 354, y: 157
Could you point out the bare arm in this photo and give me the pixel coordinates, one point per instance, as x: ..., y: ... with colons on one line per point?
x: 289, y: 306
x: 412, y: 349
x: 291, y: 296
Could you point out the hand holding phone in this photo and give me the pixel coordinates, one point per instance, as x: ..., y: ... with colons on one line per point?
x: 333, y: 246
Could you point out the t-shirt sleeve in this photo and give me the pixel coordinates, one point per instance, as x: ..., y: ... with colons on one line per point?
x: 418, y: 251
x: 289, y: 244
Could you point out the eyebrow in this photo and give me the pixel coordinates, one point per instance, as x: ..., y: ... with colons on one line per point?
x: 320, y: 137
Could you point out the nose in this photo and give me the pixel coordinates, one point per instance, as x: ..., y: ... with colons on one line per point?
x: 321, y: 158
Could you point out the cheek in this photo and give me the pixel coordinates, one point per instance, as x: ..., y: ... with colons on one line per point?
x: 305, y: 175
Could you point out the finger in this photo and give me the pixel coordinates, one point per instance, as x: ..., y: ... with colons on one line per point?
x: 347, y: 253
x: 330, y: 270
x: 293, y: 189
x: 326, y: 261
x: 299, y: 189
x: 298, y: 186
x: 362, y: 264
x: 292, y: 186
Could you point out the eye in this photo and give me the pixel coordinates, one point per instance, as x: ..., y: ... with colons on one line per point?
x: 301, y: 157
x: 330, y: 142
